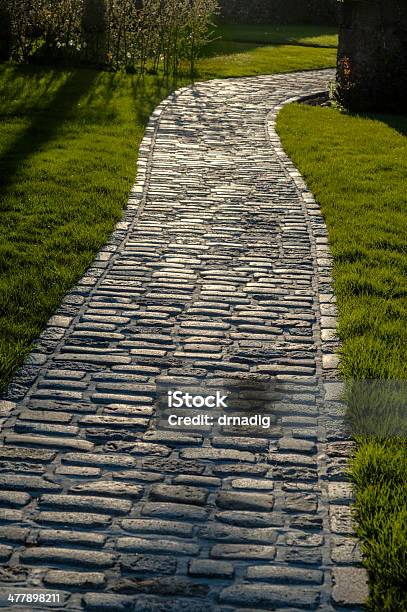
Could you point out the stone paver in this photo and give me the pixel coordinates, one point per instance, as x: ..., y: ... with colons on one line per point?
x: 218, y: 276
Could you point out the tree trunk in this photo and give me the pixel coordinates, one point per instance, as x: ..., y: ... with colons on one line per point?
x: 372, y: 57
x: 5, y: 32
x: 94, y: 31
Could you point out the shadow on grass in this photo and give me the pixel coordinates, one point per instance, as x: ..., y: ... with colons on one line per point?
x: 27, y: 87
x: 237, y: 39
x: 229, y: 47
x: 149, y: 90
x: 397, y: 122
x: 44, y: 125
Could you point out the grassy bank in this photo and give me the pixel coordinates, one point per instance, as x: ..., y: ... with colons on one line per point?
x: 246, y: 50
x: 235, y: 59
x: 356, y: 167
x: 68, y: 149
x: 272, y: 34
x: 68, y: 146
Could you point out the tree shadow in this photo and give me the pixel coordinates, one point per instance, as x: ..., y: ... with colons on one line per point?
x: 44, y: 124
x: 250, y: 37
x: 397, y: 122
x: 101, y: 104
x: 148, y: 91
x: 25, y: 87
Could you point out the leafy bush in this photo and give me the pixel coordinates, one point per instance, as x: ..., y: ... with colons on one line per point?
x: 138, y: 34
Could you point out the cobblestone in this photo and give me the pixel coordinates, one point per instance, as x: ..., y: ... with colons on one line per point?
x: 85, y: 503
x: 76, y: 580
x: 67, y: 556
x: 243, y: 551
x: 285, y: 575
x: 106, y: 602
x: 5, y: 553
x: 173, y: 547
x: 34, y: 484
x: 209, y: 568
x: 249, y: 519
x: 227, y: 533
x: 217, y: 277
x: 109, y: 488
x: 14, y: 499
x: 141, y: 564
x: 269, y: 596
x: 80, y: 519
x: 351, y: 589
x: 14, y: 534
x: 72, y: 538
x: 175, y: 511
x: 179, y: 493
x: 245, y: 501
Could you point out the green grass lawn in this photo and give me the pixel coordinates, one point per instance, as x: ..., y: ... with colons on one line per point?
x: 233, y: 59
x: 308, y: 35
x: 357, y: 166
x: 246, y: 50
x: 68, y: 150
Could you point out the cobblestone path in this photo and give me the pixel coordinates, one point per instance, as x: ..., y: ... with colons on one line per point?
x: 219, y: 274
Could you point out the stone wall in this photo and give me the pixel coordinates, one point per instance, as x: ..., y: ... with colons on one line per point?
x: 280, y: 11
x: 372, y: 58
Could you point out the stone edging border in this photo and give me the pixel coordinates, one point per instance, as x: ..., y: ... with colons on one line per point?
x: 320, y: 246
x: 350, y: 580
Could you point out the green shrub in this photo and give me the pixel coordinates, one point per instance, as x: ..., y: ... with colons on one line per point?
x: 116, y: 33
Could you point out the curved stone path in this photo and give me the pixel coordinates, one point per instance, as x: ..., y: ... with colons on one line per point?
x: 218, y: 275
